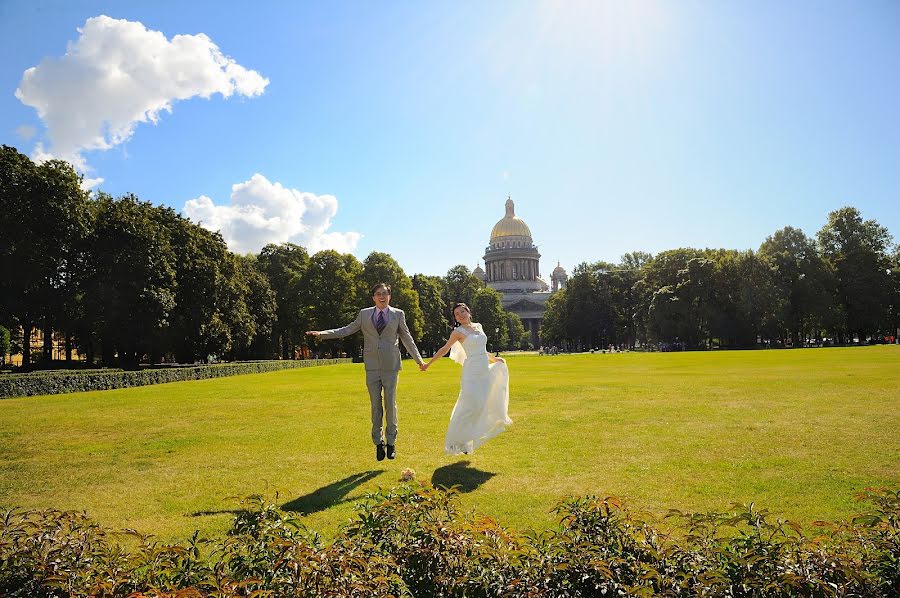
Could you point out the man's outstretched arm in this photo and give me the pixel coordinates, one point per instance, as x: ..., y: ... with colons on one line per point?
x: 347, y: 330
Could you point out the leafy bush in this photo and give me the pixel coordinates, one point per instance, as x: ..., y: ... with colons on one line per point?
x: 413, y: 541
x: 58, y: 382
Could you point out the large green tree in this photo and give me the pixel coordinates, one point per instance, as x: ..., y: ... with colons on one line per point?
x: 802, y: 282
x: 518, y: 336
x: 263, y: 309
x: 43, y: 220
x: 662, y: 311
x: 682, y: 308
x: 857, y: 252
x: 201, y: 322
x: 744, y: 299
x: 336, y: 293
x: 286, y: 266
x: 129, y: 278
x: 19, y: 283
x: 460, y: 286
x: 487, y: 310
x: 556, y: 314
x: 436, y: 329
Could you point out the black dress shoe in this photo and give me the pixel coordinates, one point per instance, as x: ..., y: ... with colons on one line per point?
x: 391, y: 451
x: 379, y: 452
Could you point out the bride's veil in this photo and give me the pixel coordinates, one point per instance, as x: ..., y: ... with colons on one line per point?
x: 457, y: 353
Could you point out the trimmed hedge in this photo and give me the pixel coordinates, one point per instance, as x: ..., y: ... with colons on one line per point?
x: 59, y: 382
x: 414, y: 541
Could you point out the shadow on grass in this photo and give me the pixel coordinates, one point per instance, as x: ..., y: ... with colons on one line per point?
x: 459, y: 474
x: 330, y: 495
x: 319, y: 500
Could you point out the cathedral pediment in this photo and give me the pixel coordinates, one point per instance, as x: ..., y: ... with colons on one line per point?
x: 525, y: 305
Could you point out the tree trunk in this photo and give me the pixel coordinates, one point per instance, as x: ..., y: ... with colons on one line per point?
x: 68, y: 348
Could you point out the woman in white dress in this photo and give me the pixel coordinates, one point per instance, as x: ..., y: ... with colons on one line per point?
x: 481, y: 409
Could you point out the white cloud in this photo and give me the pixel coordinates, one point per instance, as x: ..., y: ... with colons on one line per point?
x: 88, y: 184
x: 263, y: 212
x: 39, y: 155
x: 118, y: 74
x: 25, y: 132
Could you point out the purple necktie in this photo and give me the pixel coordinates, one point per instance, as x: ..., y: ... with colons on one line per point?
x: 379, y: 323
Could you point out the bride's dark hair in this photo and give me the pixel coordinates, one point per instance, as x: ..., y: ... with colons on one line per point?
x: 453, y: 313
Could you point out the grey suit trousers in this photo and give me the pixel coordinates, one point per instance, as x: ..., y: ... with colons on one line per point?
x: 381, y: 354
x: 382, y: 385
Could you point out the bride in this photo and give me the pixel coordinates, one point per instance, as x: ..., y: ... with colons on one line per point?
x: 480, y: 411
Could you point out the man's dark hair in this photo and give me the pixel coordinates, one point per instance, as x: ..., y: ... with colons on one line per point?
x: 382, y: 285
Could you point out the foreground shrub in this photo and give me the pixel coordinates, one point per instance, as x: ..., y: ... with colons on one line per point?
x: 59, y: 382
x: 414, y: 541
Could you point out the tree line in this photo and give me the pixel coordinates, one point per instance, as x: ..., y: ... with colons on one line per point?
x: 124, y: 281
x: 843, y: 286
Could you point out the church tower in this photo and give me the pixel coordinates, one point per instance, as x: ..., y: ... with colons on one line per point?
x: 512, y: 267
x: 511, y: 260
x: 559, y: 278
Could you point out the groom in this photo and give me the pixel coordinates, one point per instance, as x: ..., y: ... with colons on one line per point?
x: 381, y: 326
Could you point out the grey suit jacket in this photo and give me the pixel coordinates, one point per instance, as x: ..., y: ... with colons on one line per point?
x: 380, y: 352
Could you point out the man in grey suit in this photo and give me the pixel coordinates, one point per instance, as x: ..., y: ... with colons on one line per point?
x: 381, y: 326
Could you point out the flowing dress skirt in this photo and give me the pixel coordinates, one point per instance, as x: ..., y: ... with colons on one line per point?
x: 480, y: 412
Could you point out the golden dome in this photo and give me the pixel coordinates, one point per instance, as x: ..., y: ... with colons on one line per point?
x: 510, y: 225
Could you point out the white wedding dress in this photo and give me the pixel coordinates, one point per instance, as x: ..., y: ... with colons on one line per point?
x: 480, y: 412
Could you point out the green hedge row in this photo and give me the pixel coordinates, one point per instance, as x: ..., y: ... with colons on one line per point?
x: 58, y: 382
x: 63, y: 372
x: 414, y: 541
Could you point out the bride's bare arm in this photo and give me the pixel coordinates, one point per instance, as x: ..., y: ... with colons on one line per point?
x: 454, y: 336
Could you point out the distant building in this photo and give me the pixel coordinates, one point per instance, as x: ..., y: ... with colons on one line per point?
x: 512, y: 267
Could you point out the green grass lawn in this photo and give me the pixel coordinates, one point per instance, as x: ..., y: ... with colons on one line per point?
x: 798, y: 432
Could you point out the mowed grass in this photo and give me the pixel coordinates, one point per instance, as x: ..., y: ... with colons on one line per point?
x: 798, y: 432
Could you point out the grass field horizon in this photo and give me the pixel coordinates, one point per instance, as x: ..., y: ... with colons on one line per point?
x: 798, y: 432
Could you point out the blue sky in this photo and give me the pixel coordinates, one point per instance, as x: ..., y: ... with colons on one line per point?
x: 402, y: 126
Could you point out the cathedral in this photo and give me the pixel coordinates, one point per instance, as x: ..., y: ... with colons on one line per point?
x: 512, y: 267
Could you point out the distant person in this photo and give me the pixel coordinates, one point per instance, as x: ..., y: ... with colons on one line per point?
x: 480, y: 412
x: 381, y: 326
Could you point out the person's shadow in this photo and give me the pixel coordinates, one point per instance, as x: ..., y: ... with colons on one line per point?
x: 461, y: 476
x: 330, y: 495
